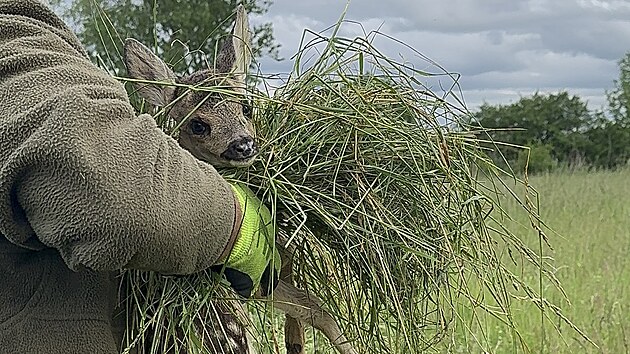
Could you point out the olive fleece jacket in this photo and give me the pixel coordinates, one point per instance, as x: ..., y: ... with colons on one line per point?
x: 86, y: 188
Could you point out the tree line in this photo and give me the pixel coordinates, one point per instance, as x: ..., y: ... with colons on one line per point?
x: 560, y: 130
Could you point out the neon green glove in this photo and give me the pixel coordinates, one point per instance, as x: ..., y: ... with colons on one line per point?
x: 254, y: 259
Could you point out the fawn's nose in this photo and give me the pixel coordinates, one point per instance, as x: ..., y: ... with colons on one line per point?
x: 240, y: 149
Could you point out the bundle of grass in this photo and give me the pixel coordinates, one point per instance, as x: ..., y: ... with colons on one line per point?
x: 379, y: 196
x: 385, y: 198
x: 374, y: 183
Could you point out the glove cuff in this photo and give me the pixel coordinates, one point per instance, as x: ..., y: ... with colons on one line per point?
x: 244, y: 230
x: 254, y: 245
x: 236, y: 226
x: 251, y: 226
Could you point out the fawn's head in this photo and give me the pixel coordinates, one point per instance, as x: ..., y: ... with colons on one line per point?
x: 217, y: 127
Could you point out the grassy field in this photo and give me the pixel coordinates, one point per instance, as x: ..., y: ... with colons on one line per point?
x: 591, y: 214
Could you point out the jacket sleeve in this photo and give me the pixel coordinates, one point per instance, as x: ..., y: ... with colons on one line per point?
x: 81, y: 173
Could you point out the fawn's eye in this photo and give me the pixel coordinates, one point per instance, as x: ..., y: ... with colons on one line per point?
x: 247, y: 110
x: 199, y: 128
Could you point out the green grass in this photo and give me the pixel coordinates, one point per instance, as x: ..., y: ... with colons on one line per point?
x: 591, y: 214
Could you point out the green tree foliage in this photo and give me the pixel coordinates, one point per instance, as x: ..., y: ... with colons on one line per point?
x: 611, y: 136
x: 537, y: 159
x: 184, y: 32
x: 555, y: 120
x: 619, y: 97
x: 609, y: 142
x: 560, y: 128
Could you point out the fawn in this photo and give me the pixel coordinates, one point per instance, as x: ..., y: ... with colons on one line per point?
x: 218, y: 131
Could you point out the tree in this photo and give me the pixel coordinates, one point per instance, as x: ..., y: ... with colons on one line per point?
x: 610, y: 142
x: 556, y: 120
x: 610, y: 136
x: 537, y: 159
x: 184, y: 32
x: 619, y: 97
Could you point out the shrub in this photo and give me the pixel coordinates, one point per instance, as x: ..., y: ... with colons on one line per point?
x: 536, y: 159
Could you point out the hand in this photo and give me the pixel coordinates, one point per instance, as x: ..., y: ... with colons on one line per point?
x: 254, y: 259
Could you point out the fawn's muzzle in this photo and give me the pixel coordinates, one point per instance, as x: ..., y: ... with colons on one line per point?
x: 241, y: 149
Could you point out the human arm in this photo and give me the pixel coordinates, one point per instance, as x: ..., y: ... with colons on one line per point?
x: 81, y: 173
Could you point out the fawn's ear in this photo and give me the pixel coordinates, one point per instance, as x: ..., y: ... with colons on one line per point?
x: 142, y: 64
x: 235, y: 55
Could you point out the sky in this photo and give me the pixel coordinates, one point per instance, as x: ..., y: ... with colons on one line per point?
x: 503, y: 49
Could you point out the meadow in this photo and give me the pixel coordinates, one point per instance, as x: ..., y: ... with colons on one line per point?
x: 589, y: 213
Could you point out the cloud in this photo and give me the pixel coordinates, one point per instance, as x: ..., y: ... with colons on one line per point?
x: 542, y: 69
x: 502, y: 49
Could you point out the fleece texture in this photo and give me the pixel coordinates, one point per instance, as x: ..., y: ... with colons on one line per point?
x: 87, y: 188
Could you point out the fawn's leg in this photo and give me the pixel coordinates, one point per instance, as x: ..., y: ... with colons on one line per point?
x: 293, y: 328
x: 302, y: 308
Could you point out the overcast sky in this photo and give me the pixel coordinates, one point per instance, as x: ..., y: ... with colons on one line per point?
x: 503, y: 49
